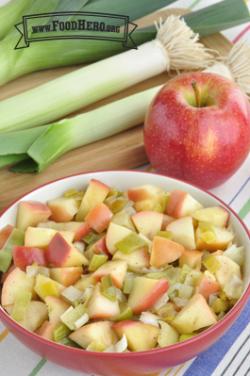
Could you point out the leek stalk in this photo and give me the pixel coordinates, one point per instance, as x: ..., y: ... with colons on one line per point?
x: 44, y: 55
x: 43, y: 145
x: 175, y: 47
x: 10, y: 13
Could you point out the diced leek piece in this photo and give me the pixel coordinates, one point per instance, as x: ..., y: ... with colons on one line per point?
x: 82, y: 321
x: 80, y: 246
x: 16, y: 238
x: 21, y: 303
x: 91, y: 238
x: 185, y: 270
x: 60, y: 332
x: 167, y: 311
x: 116, y: 204
x: 126, y: 314
x: 165, y: 234
x: 107, y: 289
x: 164, y: 201
x: 45, y: 286
x: 70, y: 316
x: 185, y: 291
x: 128, y: 283
x: 97, y: 261
x: 220, y: 305
x: 208, y: 237
x: 184, y: 337
x: 72, y: 294
x: 211, y: 264
x: 67, y: 342
x: 73, y: 193
x: 34, y: 270
x: 149, y: 318
x: 85, y: 281
x: 130, y: 243
x: 204, y: 226
x: 173, y: 274
x: 96, y: 346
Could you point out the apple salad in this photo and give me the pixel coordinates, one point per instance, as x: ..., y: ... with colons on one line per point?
x: 113, y: 271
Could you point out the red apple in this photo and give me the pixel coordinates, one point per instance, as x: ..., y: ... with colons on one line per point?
x: 4, y: 234
x: 198, y: 129
x: 99, y: 217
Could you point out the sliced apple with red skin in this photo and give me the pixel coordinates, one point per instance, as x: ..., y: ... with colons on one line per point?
x: 63, y: 209
x: 116, y: 269
x: 61, y: 253
x: 4, y: 234
x: 144, y: 192
x: 114, y: 234
x: 56, y: 307
x: 96, y: 332
x: 94, y: 195
x: 207, y: 285
x: 194, y: 316
x: 181, y: 204
x: 148, y: 223
x: 214, y: 238
x: 191, y: 258
x: 140, y: 336
x: 30, y: 213
x: 80, y: 229
x: 24, y: 256
x: 41, y: 237
x: 215, y: 215
x: 46, y: 330
x: 16, y: 282
x: 182, y: 231
x: 100, y: 307
x: 136, y: 260
x: 66, y: 276
x: 99, y: 217
x: 145, y: 293
x: 165, y: 251
x: 35, y: 315
x: 99, y: 247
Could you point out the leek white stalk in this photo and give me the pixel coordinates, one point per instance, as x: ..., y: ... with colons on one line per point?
x: 235, y: 66
x: 175, y: 47
x: 91, y: 126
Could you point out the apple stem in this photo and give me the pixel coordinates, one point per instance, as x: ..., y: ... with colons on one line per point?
x: 197, y: 94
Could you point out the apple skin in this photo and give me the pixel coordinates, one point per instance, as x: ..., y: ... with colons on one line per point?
x: 202, y: 145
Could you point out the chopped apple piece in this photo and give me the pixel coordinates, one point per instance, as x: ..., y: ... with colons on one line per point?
x: 99, y: 247
x: 145, y: 293
x: 41, y: 237
x: 45, y: 286
x: 97, y: 261
x: 16, y: 237
x: 148, y: 223
x: 194, y: 316
x: 46, y: 330
x: 166, y: 220
x: 100, y: 307
x: 144, y: 192
x: 181, y: 204
x: 115, y: 233
x: 235, y: 253
x: 80, y: 229
x: 123, y: 218
x: 66, y: 276
x: 4, y: 234
x: 63, y: 209
x: 136, y: 260
x: 94, y: 195
x: 30, y: 213
x: 116, y: 269
x: 24, y: 256
x: 60, y: 253
x: 96, y: 332
x: 215, y: 215
x: 212, y: 238
x: 99, y: 217
x: 182, y: 231
x: 208, y: 285
x: 164, y: 251
x: 16, y: 282
x: 168, y: 335
x: 191, y: 258
x: 56, y: 307
x: 35, y: 315
x: 85, y: 281
x: 229, y: 276
x: 140, y: 336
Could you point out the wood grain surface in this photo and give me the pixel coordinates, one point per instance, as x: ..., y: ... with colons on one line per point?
x: 123, y: 151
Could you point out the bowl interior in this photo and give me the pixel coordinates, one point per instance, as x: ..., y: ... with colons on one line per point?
x: 124, y: 180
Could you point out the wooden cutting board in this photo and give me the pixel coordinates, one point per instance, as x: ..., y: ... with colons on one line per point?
x: 123, y: 151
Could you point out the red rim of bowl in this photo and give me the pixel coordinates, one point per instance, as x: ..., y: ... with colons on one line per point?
x: 178, y: 346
